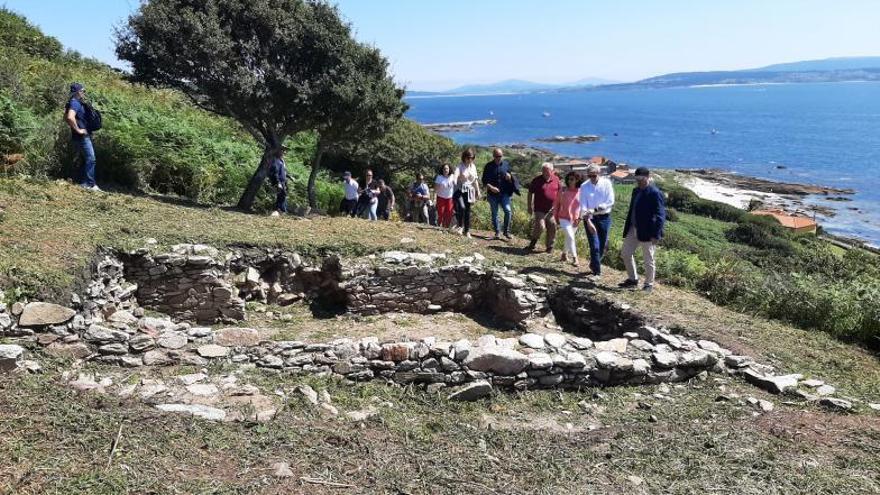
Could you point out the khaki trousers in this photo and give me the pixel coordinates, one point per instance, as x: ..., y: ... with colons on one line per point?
x: 630, y: 244
x: 540, y: 219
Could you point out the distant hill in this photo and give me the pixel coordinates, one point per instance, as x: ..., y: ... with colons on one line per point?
x: 828, y: 64
x: 513, y: 86
x: 828, y: 70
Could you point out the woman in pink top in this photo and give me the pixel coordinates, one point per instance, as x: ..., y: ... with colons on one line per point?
x: 566, y: 211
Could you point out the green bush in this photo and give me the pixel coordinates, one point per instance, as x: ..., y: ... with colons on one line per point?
x: 761, y: 232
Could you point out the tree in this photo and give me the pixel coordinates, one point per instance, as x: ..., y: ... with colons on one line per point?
x: 269, y: 64
x: 406, y: 147
x: 359, y: 109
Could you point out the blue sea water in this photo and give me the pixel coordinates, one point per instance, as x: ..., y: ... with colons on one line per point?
x: 826, y: 134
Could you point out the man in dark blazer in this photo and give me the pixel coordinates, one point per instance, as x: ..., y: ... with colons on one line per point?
x: 644, y: 227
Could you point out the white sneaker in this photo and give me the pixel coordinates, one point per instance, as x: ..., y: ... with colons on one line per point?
x: 275, y: 214
x: 95, y: 188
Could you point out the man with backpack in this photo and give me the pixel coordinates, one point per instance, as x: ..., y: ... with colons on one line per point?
x: 83, y: 120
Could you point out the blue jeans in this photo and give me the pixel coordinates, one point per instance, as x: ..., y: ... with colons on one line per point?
x: 281, y: 199
x: 598, y: 241
x: 373, y: 207
x: 502, y: 200
x: 87, y: 170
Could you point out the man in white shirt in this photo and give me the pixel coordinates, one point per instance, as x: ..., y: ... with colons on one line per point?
x: 596, y: 198
x: 349, y: 202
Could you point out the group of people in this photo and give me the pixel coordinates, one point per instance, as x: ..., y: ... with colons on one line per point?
x: 552, y: 202
x: 573, y: 200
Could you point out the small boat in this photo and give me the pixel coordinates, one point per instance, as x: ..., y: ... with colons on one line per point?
x: 714, y: 131
x: 546, y: 114
x: 491, y: 112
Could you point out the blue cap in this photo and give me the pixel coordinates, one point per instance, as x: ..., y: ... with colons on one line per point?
x: 76, y: 88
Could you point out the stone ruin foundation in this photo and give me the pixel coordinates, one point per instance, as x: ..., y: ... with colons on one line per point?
x: 605, y: 343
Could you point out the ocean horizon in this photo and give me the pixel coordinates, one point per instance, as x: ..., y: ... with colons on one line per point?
x: 814, y: 133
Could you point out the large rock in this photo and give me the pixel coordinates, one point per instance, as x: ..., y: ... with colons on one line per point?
x: 40, y: 314
x: 97, y: 334
x: 773, y: 384
x: 172, y: 340
x: 472, y: 391
x: 198, y: 410
x: 496, y: 359
x: 834, y: 404
x: 237, y: 337
x: 213, y: 351
x: 10, y: 355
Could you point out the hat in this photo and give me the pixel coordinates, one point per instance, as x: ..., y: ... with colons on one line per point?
x: 347, y: 175
x: 76, y: 88
x: 643, y: 172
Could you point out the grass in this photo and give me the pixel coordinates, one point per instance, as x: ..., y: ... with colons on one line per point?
x: 424, y: 444
x: 53, y: 440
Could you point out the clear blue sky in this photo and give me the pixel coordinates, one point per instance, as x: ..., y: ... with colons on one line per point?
x: 438, y: 44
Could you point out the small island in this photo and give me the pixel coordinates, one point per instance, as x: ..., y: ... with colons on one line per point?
x: 458, y: 126
x: 584, y: 138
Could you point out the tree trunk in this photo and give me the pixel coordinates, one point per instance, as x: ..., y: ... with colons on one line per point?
x: 246, y: 202
x: 313, y: 174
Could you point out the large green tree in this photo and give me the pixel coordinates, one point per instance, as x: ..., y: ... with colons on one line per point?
x: 275, y: 66
x: 360, y: 109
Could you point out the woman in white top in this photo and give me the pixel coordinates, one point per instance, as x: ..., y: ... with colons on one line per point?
x: 444, y: 184
x: 467, y: 190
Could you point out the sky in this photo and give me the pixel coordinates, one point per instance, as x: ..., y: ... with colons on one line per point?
x: 441, y: 44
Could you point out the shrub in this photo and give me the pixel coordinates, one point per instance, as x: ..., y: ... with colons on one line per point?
x: 761, y: 232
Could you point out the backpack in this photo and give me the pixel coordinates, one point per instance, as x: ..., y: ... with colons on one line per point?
x: 91, y: 118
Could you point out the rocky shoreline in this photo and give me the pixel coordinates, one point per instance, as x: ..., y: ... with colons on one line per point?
x: 579, y: 139
x: 764, y: 185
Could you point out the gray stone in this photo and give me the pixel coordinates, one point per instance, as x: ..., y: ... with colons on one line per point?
x: 697, y: 359
x: 282, y: 470
x: 826, y: 390
x: 235, y: 337
x: 540, y: 361
x: 198, y: 410
x: 192, y: 378
x: 556, y: 340
x: 115, y: 348
x: 131, y: 361
x: 835, y: 404
x: 665, y: 360
x: 10, y: 355
x: 773, y: 384
x: 496, y: 359
x: 40, y: 314
x: 615, y: 345
x: 172, y: 340
x: 738, y: 361
x: 270, y: 361
x: 157, y: 358
x: 155, y: 325
x: 309, y: 393
x: 212, y: 351
x: 5, y: 321
x: 203, y: 389
x: 532, y: 340
x: 580, y: 343
x: 141, y: 343
x: 124, y: 317
x: 97, y: 334
x: 472, y: 391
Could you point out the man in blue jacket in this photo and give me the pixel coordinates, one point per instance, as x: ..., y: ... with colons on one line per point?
x: 75, y: 116
x: 500, y: 186
x: 644, y: 227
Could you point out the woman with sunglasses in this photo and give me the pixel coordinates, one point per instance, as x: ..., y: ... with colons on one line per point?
x: 566, y: 211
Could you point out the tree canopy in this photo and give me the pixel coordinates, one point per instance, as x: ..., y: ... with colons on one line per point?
x: 276, y: 66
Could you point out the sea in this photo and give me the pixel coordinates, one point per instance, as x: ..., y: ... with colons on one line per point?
x: 824, y: 134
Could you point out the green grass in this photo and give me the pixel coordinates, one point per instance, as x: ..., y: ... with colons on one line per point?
x: 55, y: 441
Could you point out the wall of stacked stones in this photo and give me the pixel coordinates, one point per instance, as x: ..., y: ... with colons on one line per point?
x: 107, y: 324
